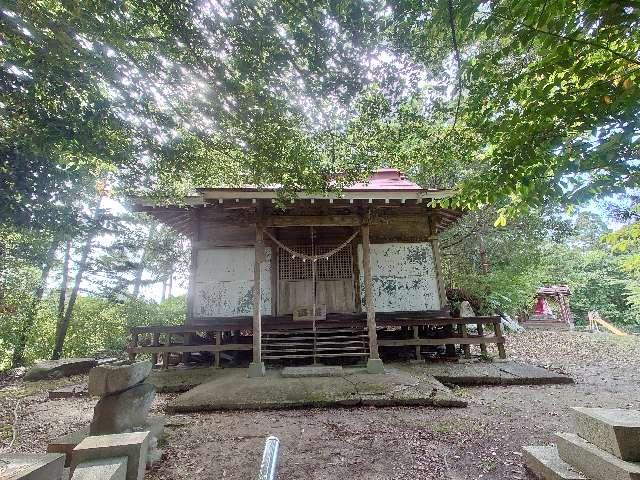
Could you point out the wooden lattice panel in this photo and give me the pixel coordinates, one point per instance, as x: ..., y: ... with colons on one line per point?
x: 338, y: 266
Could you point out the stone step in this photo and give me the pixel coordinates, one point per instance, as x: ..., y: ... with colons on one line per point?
x: 114, y: 468
x: 46, y: 466
x: 595, y: 463
x: 614, y: 430
x: 546, y: 464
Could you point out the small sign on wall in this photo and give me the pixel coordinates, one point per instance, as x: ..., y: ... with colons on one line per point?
x: 305, y: 313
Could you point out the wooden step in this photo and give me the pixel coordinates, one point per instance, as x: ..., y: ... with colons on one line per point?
x: 319, y: 355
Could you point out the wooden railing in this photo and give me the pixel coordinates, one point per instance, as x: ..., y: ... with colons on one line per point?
x: 162, y: 342
x: 224, y: 337
x: 459, y: 337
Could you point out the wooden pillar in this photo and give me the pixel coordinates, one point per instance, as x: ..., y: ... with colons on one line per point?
x: 416, y: 335
x: 196, y: 215
x: 134, y: 344
x: 256, y: 368
x: 483, y: 346
x: 374, y: 365
x: 155, y: 343
x: 497, y: 327
x: 435, y: 247
x: 217, y: 354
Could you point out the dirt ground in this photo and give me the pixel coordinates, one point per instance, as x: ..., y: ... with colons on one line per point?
x: 482, y: 441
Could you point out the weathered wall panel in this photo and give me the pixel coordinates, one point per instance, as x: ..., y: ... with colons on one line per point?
x: 224, y: 282
x: 404, y: 277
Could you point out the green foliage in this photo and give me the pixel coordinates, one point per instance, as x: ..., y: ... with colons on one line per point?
x: 535, y: 250
x: 98, y: 324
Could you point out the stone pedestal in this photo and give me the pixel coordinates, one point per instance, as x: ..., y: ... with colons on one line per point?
x: 123, y: 408
x: 121, y: 412
x: 256, y: 369
x: 375, y: 365
x: 133, y: 446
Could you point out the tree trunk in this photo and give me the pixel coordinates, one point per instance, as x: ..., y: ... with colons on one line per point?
x: 63, y: 326
x: 170, y: 284
x: 63, y: 283
x: 138, y: 280
x: 21, y: 342
x: 164, y: 289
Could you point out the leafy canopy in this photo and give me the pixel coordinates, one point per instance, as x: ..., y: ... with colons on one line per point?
x: 516, y: 100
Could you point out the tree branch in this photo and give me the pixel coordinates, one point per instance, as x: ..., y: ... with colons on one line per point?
x: 456, y: 50
x: 574, y: 39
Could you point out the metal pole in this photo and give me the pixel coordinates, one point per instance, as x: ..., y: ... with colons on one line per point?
x: 269, y: 464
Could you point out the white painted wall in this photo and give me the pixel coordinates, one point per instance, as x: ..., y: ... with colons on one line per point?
x: 404, y: 277
x: 224, y: 282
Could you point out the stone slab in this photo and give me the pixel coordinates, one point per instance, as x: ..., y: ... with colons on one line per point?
x: 134, y: 446
x: 66, y: 443
x: 476, y: 373
x: 614, y: 430
x: 48, y: 466
x: 312, y: 371
x: 114, y: 468
x: 72, y: 391
x: 65, y: 367
x: 595, y: 463
x: 232, y: 390
x: 108, y: 379
x: 545, y: 463
x: 122, y: 411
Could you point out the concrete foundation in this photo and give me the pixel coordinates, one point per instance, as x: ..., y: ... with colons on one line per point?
x: 312, y: 371
x: 231, y: 390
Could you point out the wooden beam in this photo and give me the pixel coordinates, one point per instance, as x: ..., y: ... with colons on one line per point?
x: 316, y: 220
x: 408, y: 342
x: 192, y: 348
x: 368, y: 292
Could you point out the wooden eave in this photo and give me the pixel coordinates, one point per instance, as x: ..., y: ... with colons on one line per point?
x: 239, y: 206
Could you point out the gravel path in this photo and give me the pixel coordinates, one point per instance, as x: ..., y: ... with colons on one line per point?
x: 482, y: 441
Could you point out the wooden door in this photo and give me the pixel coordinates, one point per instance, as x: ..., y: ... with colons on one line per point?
x: 334, y: 280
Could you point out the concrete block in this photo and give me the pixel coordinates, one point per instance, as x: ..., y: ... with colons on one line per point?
x: 313, y: 371
x: 120, y: 412
x: 134, y: 446
x: 65, y: 367
x: 595, y: 463
x: 66, y: 443
x: 375, y: 365
x: 48, y: 466
x: 614, y: 430
x: 545, y: 463
x: 109, y: 379
x: 114, y: 468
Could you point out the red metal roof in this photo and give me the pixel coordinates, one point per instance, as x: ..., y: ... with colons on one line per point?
x: 385, y: 179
